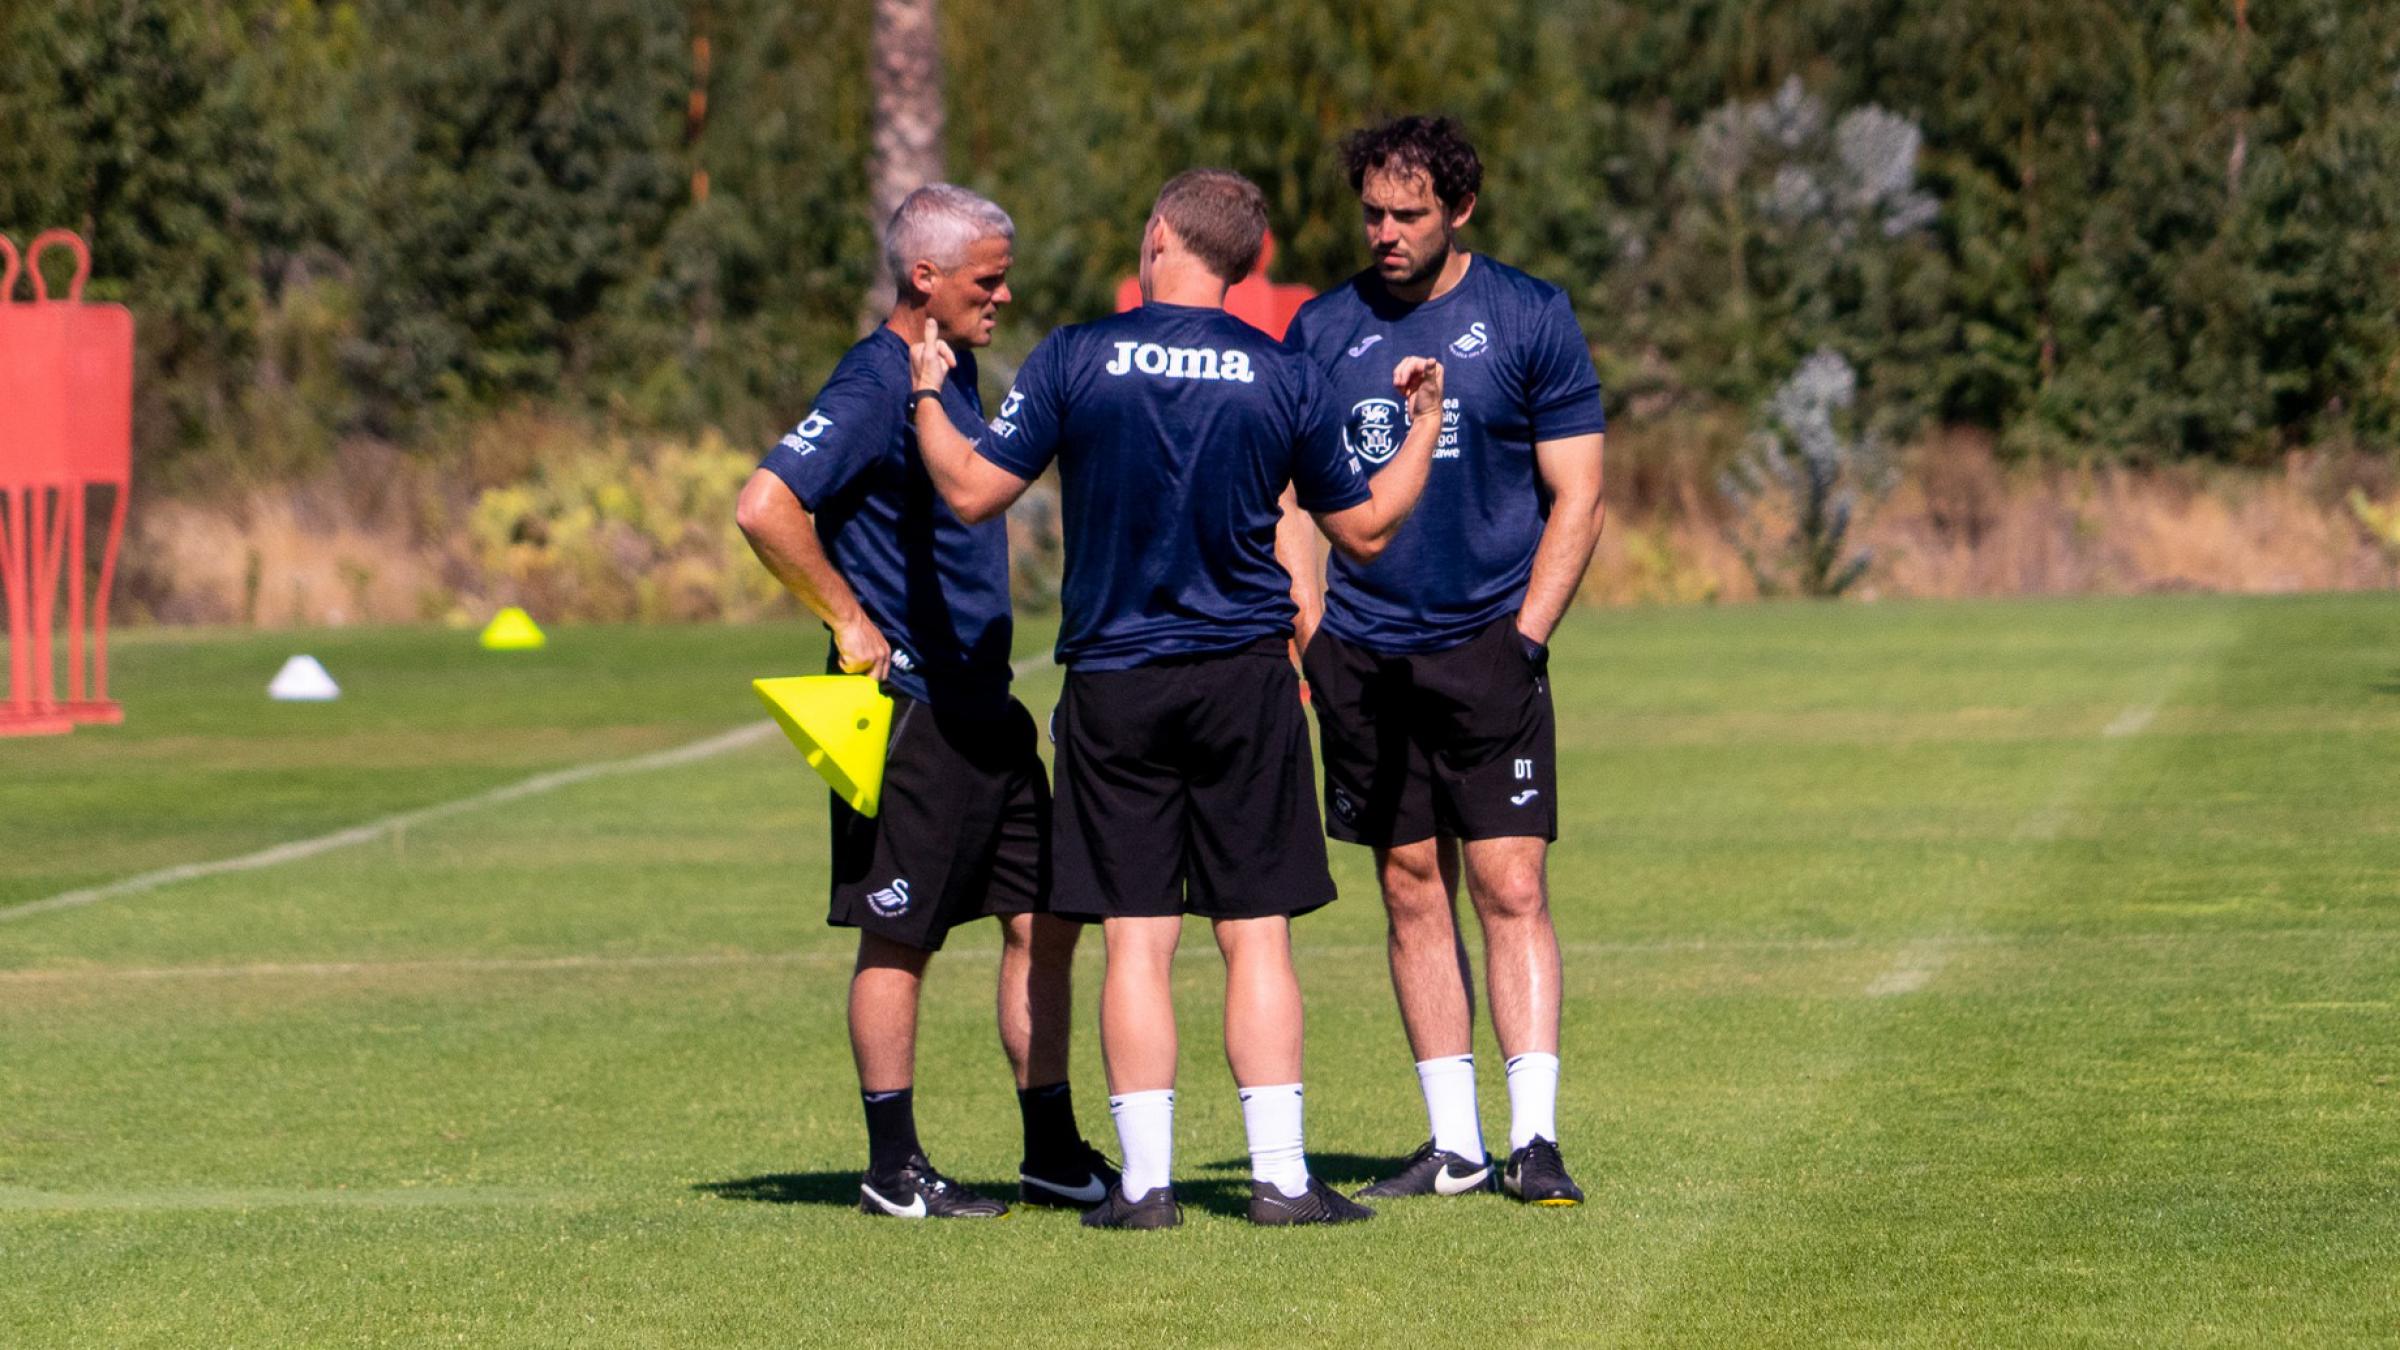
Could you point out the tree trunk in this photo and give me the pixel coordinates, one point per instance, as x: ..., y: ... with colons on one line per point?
x: 907, y: 154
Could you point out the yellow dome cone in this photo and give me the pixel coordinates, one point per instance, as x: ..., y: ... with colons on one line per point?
x: 841, y: 722
x: 512, y: 630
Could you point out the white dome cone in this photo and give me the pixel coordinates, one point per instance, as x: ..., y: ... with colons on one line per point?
x: 303, y: 679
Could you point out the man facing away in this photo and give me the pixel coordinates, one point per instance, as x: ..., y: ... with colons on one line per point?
x: 1429, y: 670
x: 1184, y: 776
x: 842, y: 513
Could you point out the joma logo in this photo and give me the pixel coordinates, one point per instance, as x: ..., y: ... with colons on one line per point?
x: 1181, y: 363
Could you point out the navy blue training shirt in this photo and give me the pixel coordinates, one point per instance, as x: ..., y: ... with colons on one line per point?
x: 1175, y: 430
x: 1515, y: 370
x: 936, y: 586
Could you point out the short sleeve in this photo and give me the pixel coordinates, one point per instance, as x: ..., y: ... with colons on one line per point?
x: 853, y: 425
x: 1326, y: 476
x: 1023, y: 436
x: 1295, y: 334
x: 1562, y: 388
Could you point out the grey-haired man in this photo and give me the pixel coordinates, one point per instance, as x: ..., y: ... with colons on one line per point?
x: 841, y: 511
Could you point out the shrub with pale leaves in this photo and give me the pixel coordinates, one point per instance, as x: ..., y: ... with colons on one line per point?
x: 1799, y: 485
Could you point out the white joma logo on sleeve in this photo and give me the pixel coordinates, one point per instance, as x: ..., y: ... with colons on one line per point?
x: 1181, y: 363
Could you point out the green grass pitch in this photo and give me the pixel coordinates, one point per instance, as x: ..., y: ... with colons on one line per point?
x: 1997, y: 973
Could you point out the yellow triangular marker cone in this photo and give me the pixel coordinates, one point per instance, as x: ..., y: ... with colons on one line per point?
x: 841, y: 722
x: 512, y: 630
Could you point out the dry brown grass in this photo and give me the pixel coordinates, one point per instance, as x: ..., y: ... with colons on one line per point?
x: 521, y: 509
x: 1961, y: 524
x: 381, y: 536
x: 344, y: 545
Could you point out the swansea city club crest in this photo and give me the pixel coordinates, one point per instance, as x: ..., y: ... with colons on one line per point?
x: 1375, y: 428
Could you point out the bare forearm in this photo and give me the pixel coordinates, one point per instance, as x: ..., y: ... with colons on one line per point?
x: 1559, y: 562
x: 785, y: 540
x: 811, y: 578
x: 1296, y: 549
x: 1361, y: 531
x: 1397, y: 488
x: 945, y: 451
x: 975, y: 488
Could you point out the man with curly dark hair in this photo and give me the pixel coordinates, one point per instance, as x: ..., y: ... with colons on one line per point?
x: 1429, y: 671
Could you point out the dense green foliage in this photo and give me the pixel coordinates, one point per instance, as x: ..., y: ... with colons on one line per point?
x: 1992, y: 974
x: 2147, y: 228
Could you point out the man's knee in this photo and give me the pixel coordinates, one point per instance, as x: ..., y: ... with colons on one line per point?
x: 1413, y: 889
x: 1141, y: 942
x: 1050, y: 938
x: 878, y: 953
x: 1268, y: 938
x: 1512, y: 891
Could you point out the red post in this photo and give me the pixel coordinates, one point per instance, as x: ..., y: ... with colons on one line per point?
x: 66, y: 431
x: 1265, y: 305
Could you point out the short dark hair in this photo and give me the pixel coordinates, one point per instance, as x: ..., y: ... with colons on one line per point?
x: 1434, y: 146
x: 1219, y: 215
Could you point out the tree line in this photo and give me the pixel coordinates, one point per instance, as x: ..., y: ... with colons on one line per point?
x: 2121, y: 229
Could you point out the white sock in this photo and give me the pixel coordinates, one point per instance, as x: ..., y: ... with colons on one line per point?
x: 1449, y: 1084
x: 1271, y: 1117
x: 1146, y: 1133
x: 1532, y: 1099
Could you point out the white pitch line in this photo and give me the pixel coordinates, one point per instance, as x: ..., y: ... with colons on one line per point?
x: 438, y: 965
x: 377, y: 829
x: 2131, y: 722
x: 507, y: 965
x: 1912, y: 969
x: 21, y: 1198
x: 1927, y: 955
x: 2051, y: 819
x: 372, y: 830
x: 1917, y: 965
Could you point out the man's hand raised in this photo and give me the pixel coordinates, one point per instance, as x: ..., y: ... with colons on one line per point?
x: 1361, y: 531
x: 930, y: 361
x: 1419, y: 380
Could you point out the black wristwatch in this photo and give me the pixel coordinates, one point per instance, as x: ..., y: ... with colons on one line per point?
x: 916, y: 396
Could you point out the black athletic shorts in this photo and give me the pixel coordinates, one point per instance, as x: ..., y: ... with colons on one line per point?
x: 1186, y: 786
x: 964, y: 831
x: 1459, y: 742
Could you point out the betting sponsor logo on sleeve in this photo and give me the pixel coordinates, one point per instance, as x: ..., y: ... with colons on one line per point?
x: 1002, y: 425
x: 803, y: 438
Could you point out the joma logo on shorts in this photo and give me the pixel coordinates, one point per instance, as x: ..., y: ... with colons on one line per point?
x: 1181, y: 363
